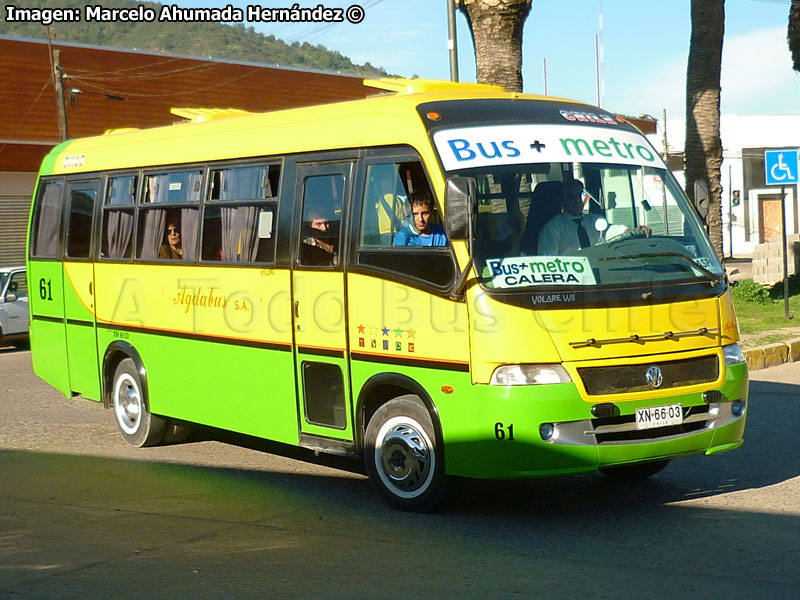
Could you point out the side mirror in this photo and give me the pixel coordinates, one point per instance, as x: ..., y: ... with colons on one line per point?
x: 460, y: 198
x: 701, y: 198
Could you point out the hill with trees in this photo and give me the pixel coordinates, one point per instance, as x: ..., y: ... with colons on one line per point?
x: 217, y: 40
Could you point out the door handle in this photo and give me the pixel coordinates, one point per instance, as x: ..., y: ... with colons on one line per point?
x: 90, y: 288
x: 296, y: 309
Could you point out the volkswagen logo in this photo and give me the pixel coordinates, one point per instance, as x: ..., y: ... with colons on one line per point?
x: 654, y: 376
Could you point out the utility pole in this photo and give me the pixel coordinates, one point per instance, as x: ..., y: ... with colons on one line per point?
x: 61, y: 106
x: 452, y: 44
x: 545, y: 75
x: 666, y: 162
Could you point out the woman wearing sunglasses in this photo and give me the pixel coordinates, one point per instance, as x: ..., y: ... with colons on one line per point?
x: 172, y: 249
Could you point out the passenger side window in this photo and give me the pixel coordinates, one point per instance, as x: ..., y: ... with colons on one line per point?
x: 401, y: 233
x: 169, y: 216
x: 81, y: 217
x: 118, y: 217
x: 322, y: 218
x: 399, y: 208
x: 239, y: 221
x: 46, y: 230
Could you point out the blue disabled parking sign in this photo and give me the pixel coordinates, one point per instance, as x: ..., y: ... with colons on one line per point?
x: 781, y: 167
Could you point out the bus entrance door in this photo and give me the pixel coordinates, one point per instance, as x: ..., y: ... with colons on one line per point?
x: 318, y: 307
x: 79, y: 298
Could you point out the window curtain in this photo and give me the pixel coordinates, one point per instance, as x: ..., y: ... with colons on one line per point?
x: 239, y: 235
x: 122, y: 190
x: 47, y: 233
x: 189, y: 221
x: 120, y: 229
x: 251, y: 183
x: 239, y: 223
x: 193, y: 187
x: 157, y: 188
x: 155, y: 222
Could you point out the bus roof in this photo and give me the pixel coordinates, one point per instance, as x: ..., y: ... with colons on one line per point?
x: 219, y: 134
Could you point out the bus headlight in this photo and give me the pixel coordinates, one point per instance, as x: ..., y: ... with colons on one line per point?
x: 733, y: 354
x: 529, y: 375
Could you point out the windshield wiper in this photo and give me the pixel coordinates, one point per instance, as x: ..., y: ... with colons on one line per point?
x: 710, y: 275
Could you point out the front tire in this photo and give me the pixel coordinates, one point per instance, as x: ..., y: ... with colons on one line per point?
x: 402, y: 456
x: 176, y: 431
x: 135, y: 422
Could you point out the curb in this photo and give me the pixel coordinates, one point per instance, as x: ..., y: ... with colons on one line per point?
x: 772, y: 355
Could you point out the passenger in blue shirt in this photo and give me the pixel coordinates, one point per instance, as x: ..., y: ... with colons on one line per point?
x: 424, y: 232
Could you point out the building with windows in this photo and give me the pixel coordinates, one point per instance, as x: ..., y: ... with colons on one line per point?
x: 751, y: 210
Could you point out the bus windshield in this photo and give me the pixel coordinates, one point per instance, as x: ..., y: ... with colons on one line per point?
x: 580, y: 207
x: 637, y: 227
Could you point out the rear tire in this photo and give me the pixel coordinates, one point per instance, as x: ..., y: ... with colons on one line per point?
x: 135, y: 422
x: 635, y: 472
x: 402, y: 456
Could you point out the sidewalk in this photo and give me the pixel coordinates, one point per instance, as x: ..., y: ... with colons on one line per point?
x: 773, y: 355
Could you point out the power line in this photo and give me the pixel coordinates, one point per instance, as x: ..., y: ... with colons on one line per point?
x: 127, y: 70
x: 89, y: 84
x: 105, y: 77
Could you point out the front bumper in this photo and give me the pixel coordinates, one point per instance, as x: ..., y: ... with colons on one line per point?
x: 581, y: 442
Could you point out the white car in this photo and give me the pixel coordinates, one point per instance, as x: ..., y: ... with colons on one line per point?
x: 13, y: 306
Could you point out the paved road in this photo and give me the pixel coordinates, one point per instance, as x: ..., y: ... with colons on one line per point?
x: 84, y: 516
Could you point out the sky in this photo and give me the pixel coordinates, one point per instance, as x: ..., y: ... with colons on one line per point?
x: 644, y: 45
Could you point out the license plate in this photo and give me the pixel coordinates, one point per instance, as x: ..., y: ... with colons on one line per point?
x: 659, y: 416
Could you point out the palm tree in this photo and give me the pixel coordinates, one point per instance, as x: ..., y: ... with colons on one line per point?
x: 703, y: 149
x: 496, y: 27
x: 794, y: 33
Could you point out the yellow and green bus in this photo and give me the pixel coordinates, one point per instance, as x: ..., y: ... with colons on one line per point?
x: 242, y: 271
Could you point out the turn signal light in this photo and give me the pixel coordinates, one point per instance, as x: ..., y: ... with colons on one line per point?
x: 713, y: 396
x: 606, y: 409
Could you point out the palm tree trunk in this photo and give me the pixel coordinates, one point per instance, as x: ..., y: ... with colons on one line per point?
x: 496, y: 27
x: 703, y: 150
x: 794, y: 33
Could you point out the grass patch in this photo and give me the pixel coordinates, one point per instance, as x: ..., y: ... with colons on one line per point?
x: 761, y: 309
x: 766, y: 340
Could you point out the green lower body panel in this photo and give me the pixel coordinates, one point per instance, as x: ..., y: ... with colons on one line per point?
x: 49, y: 353
x: 496, y: 432
x: 240, y: 388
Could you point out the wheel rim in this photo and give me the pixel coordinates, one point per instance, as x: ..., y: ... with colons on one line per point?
x: 405, y: 457
x: 128, y: 403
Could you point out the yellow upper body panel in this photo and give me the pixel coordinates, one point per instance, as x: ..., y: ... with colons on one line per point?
x: 489, y: 333
x: 382, y: 120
